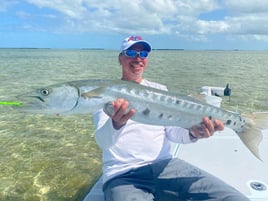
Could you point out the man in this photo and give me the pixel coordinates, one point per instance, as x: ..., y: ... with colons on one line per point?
x: 137, y: 164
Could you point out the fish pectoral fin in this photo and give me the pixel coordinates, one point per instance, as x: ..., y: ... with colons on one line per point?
x: 95, y: 93
x: 252, y: 137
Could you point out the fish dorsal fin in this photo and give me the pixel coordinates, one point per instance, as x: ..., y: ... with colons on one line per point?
x: 95, y: 93
x: 198, y: 98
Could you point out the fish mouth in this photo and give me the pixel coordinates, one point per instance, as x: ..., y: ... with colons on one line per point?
x: 26, y: 98
x: 38, y: 97
x: 31, y: 102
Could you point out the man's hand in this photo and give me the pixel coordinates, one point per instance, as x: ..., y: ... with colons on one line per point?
x: 206, y: 128
x: 121, y: 113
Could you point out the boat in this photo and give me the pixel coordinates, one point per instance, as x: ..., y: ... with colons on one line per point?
x: 223, y: 155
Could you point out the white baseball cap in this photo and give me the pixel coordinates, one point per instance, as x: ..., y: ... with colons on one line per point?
x: 132, y: 40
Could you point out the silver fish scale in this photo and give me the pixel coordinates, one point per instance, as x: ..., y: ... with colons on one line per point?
x: 157, y: 107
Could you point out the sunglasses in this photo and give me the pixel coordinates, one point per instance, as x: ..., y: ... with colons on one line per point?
x: 133, y: 53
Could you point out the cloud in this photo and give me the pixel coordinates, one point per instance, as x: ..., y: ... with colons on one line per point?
x: 243, y: 18
x: 150, y: 17
x: 247, y: 6
x: 4, y: 5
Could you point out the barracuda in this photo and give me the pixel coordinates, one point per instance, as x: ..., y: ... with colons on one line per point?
x: 152, y: 106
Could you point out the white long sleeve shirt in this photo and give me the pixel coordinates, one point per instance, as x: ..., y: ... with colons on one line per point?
x: 135, y: 144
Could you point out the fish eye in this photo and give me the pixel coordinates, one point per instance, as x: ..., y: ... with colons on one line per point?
x: 44, y: 92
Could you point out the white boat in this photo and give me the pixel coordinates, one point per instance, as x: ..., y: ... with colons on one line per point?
x: 223, y: 155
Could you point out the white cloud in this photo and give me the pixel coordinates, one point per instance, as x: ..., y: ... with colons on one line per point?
x: 247, y: 6
x: 4, y: 5
x: 210, y: 27
x: 249, y: 24
x: 180, y: 17
x: 70, y: 8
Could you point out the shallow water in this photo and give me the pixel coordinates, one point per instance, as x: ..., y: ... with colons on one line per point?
x: 56, y: 158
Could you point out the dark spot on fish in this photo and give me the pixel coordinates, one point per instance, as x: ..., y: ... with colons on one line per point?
x: 146, y: 112
x: 234, y: 123
x: 169, y: 117
x: 199, y: 107
x: 178, y: 102
x: 210, y: 117
x: 161, y: 115
x: 228, y: 122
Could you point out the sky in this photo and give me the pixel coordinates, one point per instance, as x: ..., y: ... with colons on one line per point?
x: 166, y: 24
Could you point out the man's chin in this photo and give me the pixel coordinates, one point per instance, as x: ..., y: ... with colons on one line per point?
x: 137, y: 70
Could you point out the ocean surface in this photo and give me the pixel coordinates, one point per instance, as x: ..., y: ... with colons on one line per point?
x: 47, y: 158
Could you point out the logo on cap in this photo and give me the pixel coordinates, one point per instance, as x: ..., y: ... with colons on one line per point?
x: 132, y: 40
x: 135, y: 38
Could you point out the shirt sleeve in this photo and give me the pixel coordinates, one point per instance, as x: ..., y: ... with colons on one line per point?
x: 105, y: 134
x: 179, y: 135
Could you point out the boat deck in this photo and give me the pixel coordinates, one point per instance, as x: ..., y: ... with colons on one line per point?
x: 225, y: 156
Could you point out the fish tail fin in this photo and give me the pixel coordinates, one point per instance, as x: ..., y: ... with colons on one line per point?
x: 252, y: 136
x: 259, y: 119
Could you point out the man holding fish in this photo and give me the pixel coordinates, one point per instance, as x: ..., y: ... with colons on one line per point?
x: 137, y: 164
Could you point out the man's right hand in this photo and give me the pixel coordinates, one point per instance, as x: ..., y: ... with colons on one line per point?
x: 121, y: 113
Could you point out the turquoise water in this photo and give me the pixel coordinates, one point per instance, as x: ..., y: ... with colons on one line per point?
x: 55, y: 158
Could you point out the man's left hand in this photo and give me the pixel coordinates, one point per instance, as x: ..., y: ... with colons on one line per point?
x: 206, y: 128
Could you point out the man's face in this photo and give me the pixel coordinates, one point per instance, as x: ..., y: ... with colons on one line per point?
x: 133, y: 68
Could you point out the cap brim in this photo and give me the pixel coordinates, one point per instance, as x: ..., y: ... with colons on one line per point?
x: 144, y: 43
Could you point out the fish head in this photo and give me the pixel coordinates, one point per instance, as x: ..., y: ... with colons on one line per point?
x: 54, y: 99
